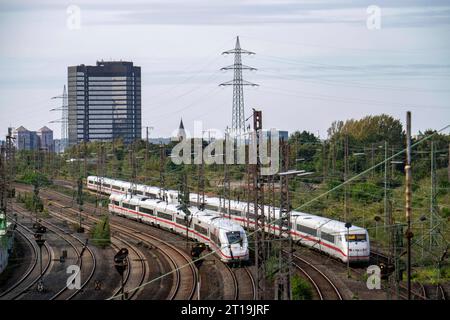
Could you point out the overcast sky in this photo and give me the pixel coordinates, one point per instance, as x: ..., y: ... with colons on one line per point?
x: 317, y: 60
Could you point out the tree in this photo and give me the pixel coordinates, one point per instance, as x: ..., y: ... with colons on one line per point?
x: 370, y: 129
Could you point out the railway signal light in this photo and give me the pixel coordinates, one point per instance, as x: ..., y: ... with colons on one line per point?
x: 348, y: 225
x: 38, y: 237
x: 39, y: 228
x: 121, y: 264
x: 196, y: 251
x: 120, y: 260
x: 386, y: 269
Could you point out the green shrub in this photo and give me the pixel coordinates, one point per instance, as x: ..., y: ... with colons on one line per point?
x: 100, y: 232
x: 34, y: 178
x: 301, y: 289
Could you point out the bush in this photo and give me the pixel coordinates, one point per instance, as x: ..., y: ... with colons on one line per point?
x: 31, y: 202
x: 34, y: 178
x: 301, y: 289
x: 366, y: 192
x: 100, y: 232
x: 446, y: 212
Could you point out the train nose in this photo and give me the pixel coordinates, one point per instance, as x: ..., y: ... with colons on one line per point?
x: 359, y: 251
x: 238, y: 252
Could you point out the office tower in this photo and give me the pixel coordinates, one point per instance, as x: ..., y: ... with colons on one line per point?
x: 104, y: 102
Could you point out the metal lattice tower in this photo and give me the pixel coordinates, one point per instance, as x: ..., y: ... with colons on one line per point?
x: 257, y: 187
x: 238, y: 83
x: 283, y: 280
x: 64, y: 118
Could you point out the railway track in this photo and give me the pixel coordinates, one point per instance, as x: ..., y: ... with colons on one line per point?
x: 29, y: 271
x: 323, y: 285
x: 183, y: 270
x: 177, y: 259
x: 64, y: 293
x: 244, y: 286
x: 434, y: 292
x: 88, y: 267
x: 136, y: 256
x: 33, y: 274
x: 234, y: 282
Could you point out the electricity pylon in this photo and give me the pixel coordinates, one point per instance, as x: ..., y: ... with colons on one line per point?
x: 238, y: 83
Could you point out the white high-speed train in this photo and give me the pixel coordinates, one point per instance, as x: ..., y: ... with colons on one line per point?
x: 225, y: 237
x: 323, y: 234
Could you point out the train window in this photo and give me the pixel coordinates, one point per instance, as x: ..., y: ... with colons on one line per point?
x: 234, y: 237
x: 107, y: 185
x: 277, y: 222
x: 201, y: 229
x: 125, y: 205
x: 116, y: 203
x: 215, y: 239
x: 164, y: 215
x: 307, y: 230
x: 132, y: 207
x: 181, y: 221
x: 90, y: 181
x: 139, y: 192
x: 235, y: 212
x: 210, y: 207
x: 116, y: 187
x: 355, y: 237
x: 251, y: 216
x: 146, y: 210
x: 326, y: 236
x: 150, y: 195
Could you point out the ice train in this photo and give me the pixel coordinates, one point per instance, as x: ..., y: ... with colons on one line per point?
x: 323, y: 234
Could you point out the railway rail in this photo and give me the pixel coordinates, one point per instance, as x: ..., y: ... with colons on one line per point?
x: 323, y: 285
x: 33, y: 274
x: 29, y: 271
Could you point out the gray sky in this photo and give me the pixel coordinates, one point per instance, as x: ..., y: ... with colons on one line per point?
x: 317, y: 60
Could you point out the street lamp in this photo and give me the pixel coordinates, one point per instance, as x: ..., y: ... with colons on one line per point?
x: 348, y: 225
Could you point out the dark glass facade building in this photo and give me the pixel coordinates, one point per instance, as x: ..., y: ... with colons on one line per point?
x: 104, y: 102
